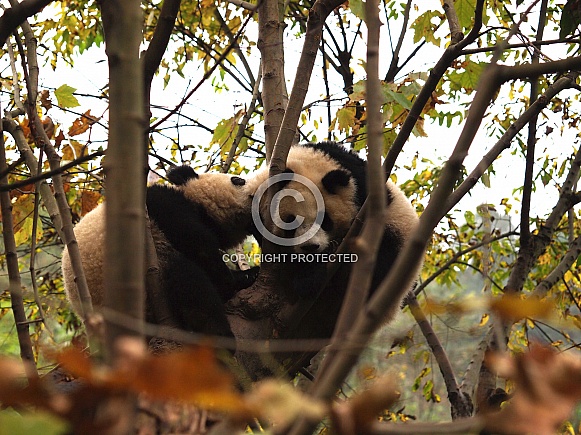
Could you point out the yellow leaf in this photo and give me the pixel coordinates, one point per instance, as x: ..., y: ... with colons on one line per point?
x: 516, y: 307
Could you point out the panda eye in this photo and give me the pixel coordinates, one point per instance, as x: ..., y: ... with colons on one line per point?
x: 288, y: 218
x: 327, y: 224
x: 237, y: 181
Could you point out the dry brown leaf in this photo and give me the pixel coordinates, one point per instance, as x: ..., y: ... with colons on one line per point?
x: 89, y: 200
x: 357, y: 414
x: 82, y: 123
x: 548, y: 386
x: 45, y: 99
x: 192, y: 375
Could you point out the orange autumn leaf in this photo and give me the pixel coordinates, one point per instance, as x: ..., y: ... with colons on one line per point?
x: 82, y: 124
x: 73, y: 150
x: 515, y: 307
x: 192, y: 375
x: 89, y: 200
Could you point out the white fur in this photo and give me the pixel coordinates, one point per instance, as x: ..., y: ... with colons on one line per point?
x: 215, y: 192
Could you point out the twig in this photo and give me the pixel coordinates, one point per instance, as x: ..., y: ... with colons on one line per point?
x: 244, y: 4
x: 505, y: 140
x: 455, y: 258
x: 15, y: 285
x: 558, y: 272
x: 394, y: 68
x: 460, y: 403
x: 205, y: 77
x: 451, y: 53
x: 49, y: 174
x: 32, y: 262
x: 15, y: 15
x: 243, y: 123
x: 367, y: 244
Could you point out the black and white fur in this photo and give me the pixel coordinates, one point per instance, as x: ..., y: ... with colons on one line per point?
x: 340, y: 176
x: 192, y: 221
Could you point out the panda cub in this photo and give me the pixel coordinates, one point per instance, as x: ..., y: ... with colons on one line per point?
x: 192, y: 221
x: 340, y: 177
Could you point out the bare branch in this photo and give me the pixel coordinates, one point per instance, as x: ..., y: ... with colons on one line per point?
x: 460, y: 403
x: 13, y: 17
x: 15, y: 285
x: 244, y: 4
x: 243, y: 123
x: 317, y: 16
x: 436, y: 73
x: 505, y: 140
x: 49, y: 174
x: 204, y: 78
x: 274, y: 93
x: 158, y: 45
x: 558, y: 272
x: 367, y: 245
x: 456, y: 34
x: 125, y: 212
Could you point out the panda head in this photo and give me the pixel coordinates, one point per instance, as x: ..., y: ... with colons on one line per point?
x: 226, y: 198
x: 312, y: 215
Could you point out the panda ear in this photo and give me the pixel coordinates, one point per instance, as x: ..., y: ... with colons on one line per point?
x: 285, y: 182
x: 180, y: 175
x: 336, y: 179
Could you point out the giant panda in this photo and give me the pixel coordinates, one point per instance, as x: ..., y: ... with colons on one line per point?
x: 193, y: 220
x: 340, y: 177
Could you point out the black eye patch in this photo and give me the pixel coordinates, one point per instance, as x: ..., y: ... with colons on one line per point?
x: 288, y: 218
x: 327, y: 224
x: 237, y: 181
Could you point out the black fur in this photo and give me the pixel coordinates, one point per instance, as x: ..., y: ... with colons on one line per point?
x: 180, y: 175
x: 195, y: 279
x: 392, y: 241
x: 348, y: 160
x: 336, y: 179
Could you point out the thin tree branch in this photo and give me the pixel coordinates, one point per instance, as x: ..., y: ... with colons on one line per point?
x: 158, y: 45
x: 14, y: 16
x: 393, y: 66
x: 49, y: 174
x: 451, y: 53
x: 558, y: 272
x: 243, y: 123
x: 15, y: 285
x: 460, y: 403
x: 367, y: 245
x: 204, y: 78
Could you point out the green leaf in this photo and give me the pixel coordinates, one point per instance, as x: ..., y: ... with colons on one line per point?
x: 570, y: 18
x: 424, y: 28
x: 397, y: 97
x: 346, y: 118
x: 65, y: 97
x: 12, y: 423
x: 465, y: 11
x: 467, y: 79
x: 358, y: 8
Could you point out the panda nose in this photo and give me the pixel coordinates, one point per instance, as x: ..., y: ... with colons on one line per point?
x: 311, y: 247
